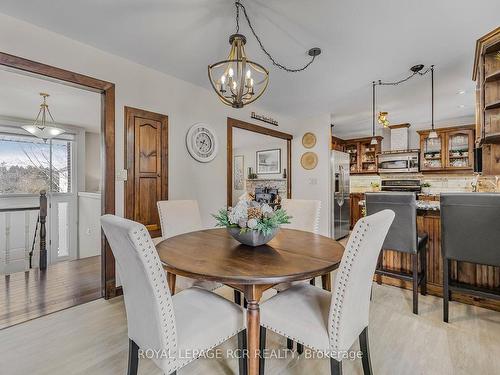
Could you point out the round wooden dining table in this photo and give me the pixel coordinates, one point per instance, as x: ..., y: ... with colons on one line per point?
x: 214, y: 255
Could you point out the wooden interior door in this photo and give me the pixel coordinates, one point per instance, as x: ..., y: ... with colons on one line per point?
x: 146, y: 160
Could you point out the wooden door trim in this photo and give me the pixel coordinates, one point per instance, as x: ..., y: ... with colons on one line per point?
x: 107, y: 91
x: 129, y: 154
x: 234, y: 123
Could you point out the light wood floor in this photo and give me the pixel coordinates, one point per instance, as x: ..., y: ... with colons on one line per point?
x: 31, y: 294
x: 92, y: 339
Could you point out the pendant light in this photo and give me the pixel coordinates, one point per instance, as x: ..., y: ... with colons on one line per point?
x: 433, y: 134
x: 238, y: 80
x: 374, y: 140
x: 39, y: 128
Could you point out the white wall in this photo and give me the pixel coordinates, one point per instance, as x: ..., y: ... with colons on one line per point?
x: 141, y: 87
x: 92, y: 162
x: 313, y: 184
x: 89, y: 229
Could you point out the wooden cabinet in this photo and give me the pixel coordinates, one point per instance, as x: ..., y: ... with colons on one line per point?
x: 453, y: 149
x: 337, y: 144
x: 486, y: 73
x: 363, y: 155
x: 356, y: 209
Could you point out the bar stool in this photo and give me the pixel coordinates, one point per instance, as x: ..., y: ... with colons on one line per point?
x: 470, y: 232
x: 402, y: 237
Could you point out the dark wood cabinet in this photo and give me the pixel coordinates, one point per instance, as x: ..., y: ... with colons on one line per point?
x: 452, y: 150
x: 356, y: 209
x: 337, y: 144
x: 363, y: 155
x: 486, y: 73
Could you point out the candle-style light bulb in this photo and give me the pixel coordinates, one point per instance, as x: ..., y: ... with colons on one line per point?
x: 223, y: 79
x: 234, y: 85
x: 249, y: 73
x: 230, y: 72
x: 251, y: 82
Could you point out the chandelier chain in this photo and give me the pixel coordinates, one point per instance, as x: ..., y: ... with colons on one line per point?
x: 239, y: 5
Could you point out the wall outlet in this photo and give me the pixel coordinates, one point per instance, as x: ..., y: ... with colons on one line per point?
x: 313, y: 181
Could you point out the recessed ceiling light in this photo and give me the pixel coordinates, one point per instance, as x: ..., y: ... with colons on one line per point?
x: 461, y: 92
x: 461, y: 106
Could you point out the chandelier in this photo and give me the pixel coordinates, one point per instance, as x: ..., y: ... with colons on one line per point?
x: 39, y: 128
x: 239, y: 81
x: 382, y: 119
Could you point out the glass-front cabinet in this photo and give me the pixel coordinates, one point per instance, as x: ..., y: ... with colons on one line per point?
x: 452, y: 150
x: 363, y: 155
x: 352, y: 150
x: 431, y: 152
x: 368, y: 157
x: 460, y: 149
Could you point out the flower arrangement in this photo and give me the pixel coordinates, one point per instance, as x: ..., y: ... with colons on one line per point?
x: 252, y: 216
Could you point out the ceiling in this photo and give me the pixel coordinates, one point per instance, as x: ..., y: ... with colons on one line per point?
x: 361, y: 41
x: 19, y: 97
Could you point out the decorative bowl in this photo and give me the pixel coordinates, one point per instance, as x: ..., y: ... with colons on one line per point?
x: 252, y: 237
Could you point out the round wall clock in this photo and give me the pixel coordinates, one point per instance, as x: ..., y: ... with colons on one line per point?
x: 309, y: 140
x: 201, y: 142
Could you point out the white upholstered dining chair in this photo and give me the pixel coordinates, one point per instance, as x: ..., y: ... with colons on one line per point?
x: 179, y: 328
x: 305, y: 214
x: 179, y: 217
x: 330, y: 322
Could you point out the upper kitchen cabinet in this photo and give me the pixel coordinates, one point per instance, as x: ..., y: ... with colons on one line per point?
x: 486, y: 73
x: 452, y: 150
x: 363, y: 155
x: 337, y: 144
x: 431, y: 152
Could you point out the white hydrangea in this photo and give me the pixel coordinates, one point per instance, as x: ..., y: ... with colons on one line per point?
x: 267, y: 210
x: 238, y: 213
x: 252, y: 223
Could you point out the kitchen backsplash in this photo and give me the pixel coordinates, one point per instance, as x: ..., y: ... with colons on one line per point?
x: 439, y: 183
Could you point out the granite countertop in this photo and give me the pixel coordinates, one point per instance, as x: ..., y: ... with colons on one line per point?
x: 421, y: 205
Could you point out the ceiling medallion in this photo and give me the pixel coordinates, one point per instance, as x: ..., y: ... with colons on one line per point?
x: 239, y: 81
x: 39, y: 128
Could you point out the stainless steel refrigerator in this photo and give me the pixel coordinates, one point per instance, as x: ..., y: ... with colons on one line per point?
x: 340, y: 215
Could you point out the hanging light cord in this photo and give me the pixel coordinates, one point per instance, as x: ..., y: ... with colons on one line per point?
x: 239, y: 5
x: 381, y: 83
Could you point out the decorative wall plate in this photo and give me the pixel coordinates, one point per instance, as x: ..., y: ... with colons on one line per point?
x: 309, y: 140
x: 309, y: 160
x: 201, y: 142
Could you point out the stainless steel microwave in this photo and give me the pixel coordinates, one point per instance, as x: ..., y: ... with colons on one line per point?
x: 398, y: 162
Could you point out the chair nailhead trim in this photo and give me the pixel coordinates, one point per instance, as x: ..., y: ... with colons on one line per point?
x: 343, y: 281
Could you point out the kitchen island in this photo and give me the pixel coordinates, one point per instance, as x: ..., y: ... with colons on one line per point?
x: 429, y: 221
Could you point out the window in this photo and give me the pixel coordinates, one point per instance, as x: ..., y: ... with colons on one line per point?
x: 28, y: 165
